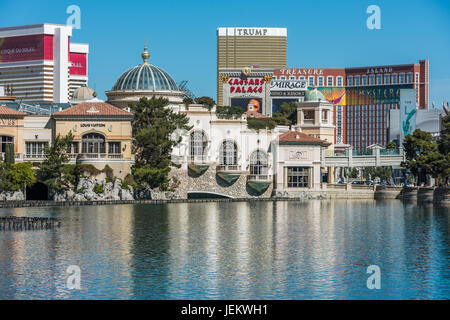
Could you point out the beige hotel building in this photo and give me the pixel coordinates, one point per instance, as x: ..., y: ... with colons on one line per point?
x: 239, y: 47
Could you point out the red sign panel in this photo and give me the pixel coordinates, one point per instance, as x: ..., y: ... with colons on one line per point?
x: 78, y: 64
x: 26, y: 48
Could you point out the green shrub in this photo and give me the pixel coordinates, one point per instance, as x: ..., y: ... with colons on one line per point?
x: 261, y: 123
x: 80, y: 191
x: 98, y: 188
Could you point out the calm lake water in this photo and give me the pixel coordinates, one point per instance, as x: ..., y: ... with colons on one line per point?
x: 238, y: 250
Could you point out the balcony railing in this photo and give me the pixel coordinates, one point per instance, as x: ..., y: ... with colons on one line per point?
x: 259, y: 177
x: 83, y: 156
x: 228, y: 168
x: 199, y: 159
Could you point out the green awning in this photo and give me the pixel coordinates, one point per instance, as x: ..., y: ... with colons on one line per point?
x: 229, y: 178
x: 259, y: 186
x: 198, y: 168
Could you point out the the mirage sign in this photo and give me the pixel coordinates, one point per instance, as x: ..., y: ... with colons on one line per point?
x: 288, y: 87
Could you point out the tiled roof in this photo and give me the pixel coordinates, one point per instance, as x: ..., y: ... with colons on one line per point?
x: 254, y: 114
x: 296, y: 136
x: 93, y: 109
x: 5, y: 111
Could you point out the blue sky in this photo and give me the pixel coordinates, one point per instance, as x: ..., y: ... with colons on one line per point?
x: 182, y: 34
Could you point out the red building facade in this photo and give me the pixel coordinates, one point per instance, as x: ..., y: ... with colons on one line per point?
x: 363, y: 96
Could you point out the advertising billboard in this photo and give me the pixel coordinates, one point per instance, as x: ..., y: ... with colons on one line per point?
x: 334, y: 95
x: 26, y: 48
x: 407, y: 112
x: 78, y: 64
x: 374, y: 94
x: 249, y: 104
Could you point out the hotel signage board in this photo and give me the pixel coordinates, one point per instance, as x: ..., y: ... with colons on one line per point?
x: 288, y: 88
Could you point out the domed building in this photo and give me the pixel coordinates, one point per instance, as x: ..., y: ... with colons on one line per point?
x: 84, y: 94
x: 315, y: 116
x: 314, y: 95
x: 144, y: 80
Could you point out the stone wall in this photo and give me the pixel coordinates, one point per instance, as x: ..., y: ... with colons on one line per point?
x: 210, y: 182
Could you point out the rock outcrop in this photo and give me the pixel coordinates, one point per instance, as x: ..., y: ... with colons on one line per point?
x: 12, y: 196
x: 95, y: 189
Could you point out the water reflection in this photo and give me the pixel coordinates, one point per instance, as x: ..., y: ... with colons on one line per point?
x: 261, y: 250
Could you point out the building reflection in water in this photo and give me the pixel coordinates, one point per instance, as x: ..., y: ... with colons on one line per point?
x: 97, y: 239
x: 237, y: 250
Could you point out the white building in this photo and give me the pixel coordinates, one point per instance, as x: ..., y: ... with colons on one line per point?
x: 40, y: 63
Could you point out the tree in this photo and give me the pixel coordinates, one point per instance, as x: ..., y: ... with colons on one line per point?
x: 5, y: 178
x: 22, y: 175
x: 384, y: 173
x: 353, y: 173
x: 391, y: 145
x: 53, y: 171
x: 444, y: 149
x: 422, y: 155
x: 207, y: 101
x: 288, y: 110
x: 154, y: 125
x: 9, y: 153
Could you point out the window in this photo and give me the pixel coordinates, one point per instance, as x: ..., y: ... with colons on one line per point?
x: 259, y: 163
x: 401, y: 78
x: 350, y: 81
x: 114, y: 147
x: 311, y: 81
x: 387, y: 79
x: 291, y: 78
x: 35, y: 148
x: 74, y: 148
x: 301, y: 78
x: 394, y: 78
x: 93, y: 143
x: 417, y: 77
x: 372, y: 79
x: 379, y: 79
x: 324, y: 116
x: 228, y: 153
x: 364, y: 80
x: 329, y: 81
x: 4, y: 141
x: 357, y: 81
x: 320, y: 84
x: 308, y: 115
x: 409, y: 78
x: 198, y: 144
x: 282, y: 78
x: 339, y: 81
x: 297, y: 177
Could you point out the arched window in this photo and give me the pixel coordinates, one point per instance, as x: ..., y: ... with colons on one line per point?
x: 198, y: 144
x: 228, y: 153
x: 93, y: 143
x: 259, y: 163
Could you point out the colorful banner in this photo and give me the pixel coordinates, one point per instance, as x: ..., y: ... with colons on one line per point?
x: 249, y: 104
x: 336, y: 96
x: 407, y: 112
x: 26, y: 48
x: 374, y: 94
x: 78, y: 64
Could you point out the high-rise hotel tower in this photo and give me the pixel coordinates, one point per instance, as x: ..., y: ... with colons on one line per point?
x: 240, y: 47
x: 39, y: 63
